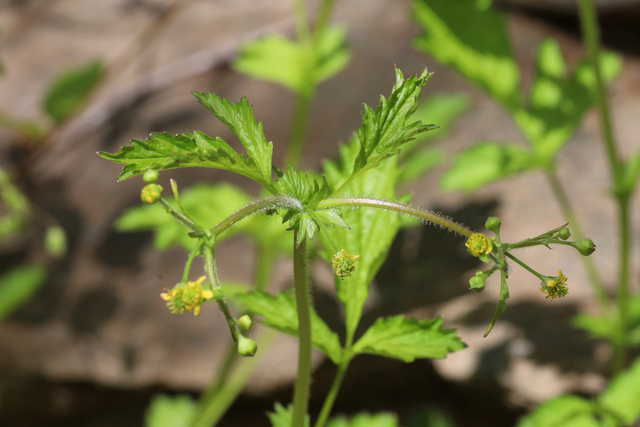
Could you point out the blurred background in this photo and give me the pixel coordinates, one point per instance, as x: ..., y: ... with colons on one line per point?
x: 86, y: 341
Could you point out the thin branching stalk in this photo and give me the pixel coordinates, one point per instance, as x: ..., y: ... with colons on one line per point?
x: 327, y: 406
x: 255, y: 207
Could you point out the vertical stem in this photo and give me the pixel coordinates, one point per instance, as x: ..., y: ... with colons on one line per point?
x: 592, y: 272
x: 333, y: 393
x: 299, y: 127
x: 303, y: 381
x: 591, y: 36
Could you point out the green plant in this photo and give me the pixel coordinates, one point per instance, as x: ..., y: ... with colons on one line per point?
x: 311, y: 207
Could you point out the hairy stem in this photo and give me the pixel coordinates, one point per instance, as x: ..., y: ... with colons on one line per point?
x: 303, y: 380
x: 255, y: 207
x: 422, y: 214
x: 182, y: 218
x: 212, y: 272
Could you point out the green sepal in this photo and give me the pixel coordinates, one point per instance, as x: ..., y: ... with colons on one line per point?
x: 408, y: 339
x: 502, y: 306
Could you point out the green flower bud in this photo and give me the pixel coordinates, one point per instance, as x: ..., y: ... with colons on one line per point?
x: 246, y: 346
x: 150, y: 176
x: 564, y: 233
x: 493, y: 224
x: 477, y: 282
x: 151, y: 193
x: 245, y: 323
x: 585, y: 246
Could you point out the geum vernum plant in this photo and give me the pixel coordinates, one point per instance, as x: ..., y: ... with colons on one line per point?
x: 356, y: 240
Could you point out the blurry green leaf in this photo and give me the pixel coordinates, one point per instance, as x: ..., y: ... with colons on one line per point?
x: 622, y: 397
x: 55, y: 242
x: 365, y: 420
x: 558, y: 103
x: 282, y: 416
x: 280, y: 60
x: 471, y: 38
x: 18, y: 285
x: 607, y: 326
x: 419, y: 163
x: 167, y: 411
x: 14, y: 207
x: 564, y: 411
x: 486, y: 162
x: 385, y: 130
x: 68, y: 91
x: 280, y: 313
x: 27, y: 128
x: 408, y: 339
x: 372, y: 230
x: 207, y: 205
x: 430, y: 417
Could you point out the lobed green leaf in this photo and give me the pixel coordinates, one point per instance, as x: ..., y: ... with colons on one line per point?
x: 240, y: 120
x: 486, y: 162
x: 472, y: 39
x: 68, y: 91
x: 564, y: 411
x: 292, y: 64
x: 372, y: 230
x: 622, y: 397
x: 408, y: 339
x: 282, y: 417
x: 280, y: 313
x: 385, y: 130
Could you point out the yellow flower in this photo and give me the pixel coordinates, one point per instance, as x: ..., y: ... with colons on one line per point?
x: 555, y: 287
x: 344, y: 264
x: 187, y: 297
x: 479, y: 244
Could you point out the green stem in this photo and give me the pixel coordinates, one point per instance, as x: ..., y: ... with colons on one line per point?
x: 333, y: 393
x: 567, y: 210
x: 194, y: 253
x: 255, y: 207
x: 525, y: 266
x: 591, y: 36
x: 212, y: 272
x: 303, y: 380
x: 299, y: 126
x: 182, y: 218
x: 398, y: 207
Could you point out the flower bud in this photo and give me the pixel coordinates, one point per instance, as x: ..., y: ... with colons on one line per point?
x: 477, y: 282
x: 150, y: 176
x: 585, y: 246
x: 493, y: 224
x: 564, y: 233
x: 151, y: 193
x: 245, y: 323
x: 246, y: 346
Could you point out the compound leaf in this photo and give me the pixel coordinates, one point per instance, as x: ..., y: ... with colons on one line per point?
x: 408, y: 339
x: 472, y: 39
x: 280, y: 313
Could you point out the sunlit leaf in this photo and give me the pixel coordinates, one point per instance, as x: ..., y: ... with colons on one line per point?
x: 18, y: 285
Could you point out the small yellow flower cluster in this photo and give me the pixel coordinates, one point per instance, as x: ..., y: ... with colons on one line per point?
x: 187, y: 297
x: 555, y: 287
x: 479, y: 244
x: 344, y: 264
